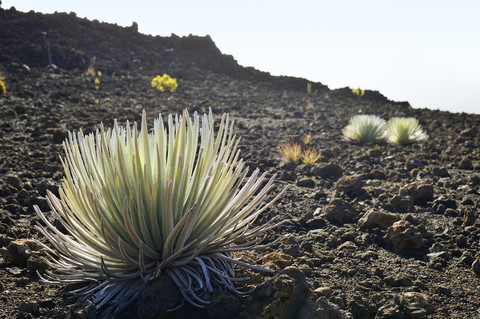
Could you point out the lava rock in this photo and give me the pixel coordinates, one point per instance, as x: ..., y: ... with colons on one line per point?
x: 14, y: 182
x: 321, y: 309
x: 349, y: 184
x: 18, y: 251
x: 283, y: 296
x: 419, y: 192
x: 326, y: 170
x: 28, y: 307
x: 465, y: 164
x: 160, y: 296
x: 401, y: 204
x: 377, y: 219
x: 58, y: 136
x: 469, y: 132
x: 279, y: 259
x: 341, y: 211
x: 469, y: 218
x: 306, y: 182
x: 404, y: 236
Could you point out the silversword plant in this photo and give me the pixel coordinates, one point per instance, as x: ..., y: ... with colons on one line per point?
x: 365, y: 128
x: 403, y: 130
x: 175, y: 201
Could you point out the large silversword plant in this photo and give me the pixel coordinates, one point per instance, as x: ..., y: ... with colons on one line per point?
x: 137, y: 205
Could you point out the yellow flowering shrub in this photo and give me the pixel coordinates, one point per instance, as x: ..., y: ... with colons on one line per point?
x: 97, y: 80
x: 358, y: 92
x: 3, y: 88
x: 310, y: 155
x: 164, y: 82
x: 291, y: 152
x: 306, y: 138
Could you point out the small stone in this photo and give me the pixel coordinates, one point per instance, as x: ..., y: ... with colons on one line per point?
x: 461, y: 241
x: 14, y: 182
x: 450, y: 212
x: 322, y: 291
x: 418, y: 300
x: 348, y: 245
x: 359, y: 308
x: 443, y: 290
x: 438, y: 260
x: 82, y: 310
x: 376, y: 174
x: 45, y: 185
x: 469, y: 218
x: 474, y: 180
x: 280, y: 259
x: 18, y: 251
x: 326, y: 170
x: 16, y: 271
x: 419, y: 192
x: 366, y: 255
x: 375, y: 152
x: 326, y: 152
x: 375, y: 218
x: 28, y: 307
x: 40, y: 201
x: 466, y: 164
x: 222, y: 305
x: 280, y: 297
x: 35, y: 263
x: 341, y: 211
x: 58, y: 136
x: 316, y: 222
x: 442, y: 255
x: 288, y: 176
x: 401, y: 204
x: 392, y: 309
x: 20, y: 109
x: 49, y: 304
x: 470, y: 132
x: 404, y: 236
x: 446, y: 202
x: 349, y: 184
x: 306, y: 182
x: 440, y: 172
x: 158, y: 297
x: 320, y: 309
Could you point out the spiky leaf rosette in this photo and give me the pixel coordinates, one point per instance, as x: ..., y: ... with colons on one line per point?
x: 402, y: 130
x: 136, y: 205
x: 365, y: 128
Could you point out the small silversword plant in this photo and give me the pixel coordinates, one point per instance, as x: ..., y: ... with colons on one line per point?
x: 403, y: 130
x: 365, y: 128
x: 139, y: 204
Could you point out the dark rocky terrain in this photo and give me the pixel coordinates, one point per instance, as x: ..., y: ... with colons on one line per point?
x: 372, y: 231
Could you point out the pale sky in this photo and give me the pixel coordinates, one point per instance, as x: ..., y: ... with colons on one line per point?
x: 424, y: 52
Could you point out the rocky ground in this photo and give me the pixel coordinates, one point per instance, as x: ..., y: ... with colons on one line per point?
x: 372, y: 231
